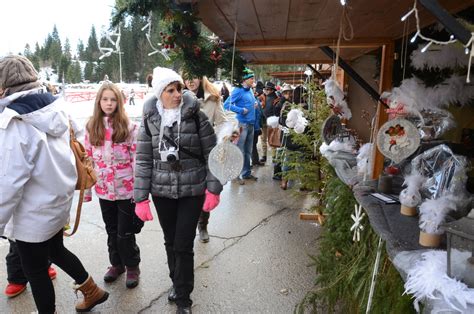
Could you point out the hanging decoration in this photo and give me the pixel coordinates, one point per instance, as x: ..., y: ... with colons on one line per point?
x: 163, y: 51
x: 182, y: 39
x: 107, y: 51
x: 364, y: 160
x: 413, y: 93
x: 225, y: 161
x: 357, y: 227
x: 469, y: 47
x: 397, y: 139
x: 448, y: 56
x: 336, y: 99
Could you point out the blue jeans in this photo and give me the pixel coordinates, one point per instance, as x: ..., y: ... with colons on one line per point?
x: 245, y: 145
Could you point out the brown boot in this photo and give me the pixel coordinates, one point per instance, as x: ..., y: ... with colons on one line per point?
x: 284, y: 184
x: 93, y: 295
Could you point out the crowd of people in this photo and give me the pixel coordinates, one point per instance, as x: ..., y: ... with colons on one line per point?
x: 163, y: 159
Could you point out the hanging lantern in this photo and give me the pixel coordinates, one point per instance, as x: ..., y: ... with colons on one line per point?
x: 460, y: 250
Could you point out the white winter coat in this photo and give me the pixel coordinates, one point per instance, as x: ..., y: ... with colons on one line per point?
x: 37, y: 172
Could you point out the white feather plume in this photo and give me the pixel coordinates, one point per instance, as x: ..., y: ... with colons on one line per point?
x: 414, y: 94
x: 414, y: 180
x: 411, y: 195
x: 336, y: 146
x: 433, y: 213
x: 292, y: 117
x: 444, y: 56
x: 224, y: 131
x: 272, y: 121
x: 428, y: 276
x: 364, y: 165
x: 296, y: 120
x: 323, y: 149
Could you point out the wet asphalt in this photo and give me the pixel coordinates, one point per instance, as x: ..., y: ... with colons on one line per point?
x: 257, y: 260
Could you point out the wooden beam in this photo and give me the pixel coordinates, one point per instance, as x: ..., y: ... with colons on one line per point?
x: 352, y: 73
x: 451, y: 24
x: 305, y: 44
x: 292, y: 62
x: 386, y: 73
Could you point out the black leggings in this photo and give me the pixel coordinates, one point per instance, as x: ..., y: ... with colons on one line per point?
x: 121, y: 242
x: 179, y: 219
x: 35, y: 259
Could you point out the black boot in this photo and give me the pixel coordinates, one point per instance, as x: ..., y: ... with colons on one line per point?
x: 203, y: 235
x: 277, y: 171
x: 183, y: 310
x: 202, y: 226
x: 172, y: 296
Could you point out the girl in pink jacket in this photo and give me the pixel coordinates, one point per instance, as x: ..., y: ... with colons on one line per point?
x: 110, y: 141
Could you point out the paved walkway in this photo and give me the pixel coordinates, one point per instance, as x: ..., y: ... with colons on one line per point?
x: 256, y: 262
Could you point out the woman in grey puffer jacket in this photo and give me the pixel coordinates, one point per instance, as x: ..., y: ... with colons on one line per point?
x: 174, y: 143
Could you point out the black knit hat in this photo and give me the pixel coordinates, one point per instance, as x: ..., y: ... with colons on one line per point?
x: 17, y: 73
x: 270, y: 85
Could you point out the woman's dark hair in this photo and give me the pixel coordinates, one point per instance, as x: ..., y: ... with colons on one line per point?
x: 200, y: 92
x: 149, y: 79
x: 298, y: 95
x: 224, y: 91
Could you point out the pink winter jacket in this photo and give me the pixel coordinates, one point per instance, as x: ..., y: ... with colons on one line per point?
x: 113, y: 164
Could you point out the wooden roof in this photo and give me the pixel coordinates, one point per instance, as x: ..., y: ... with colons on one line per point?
x: 295, y: 77
x: 290, y: 31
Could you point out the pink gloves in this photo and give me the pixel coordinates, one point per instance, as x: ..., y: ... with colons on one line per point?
x: 87, y: 196
x: 143, y: 211
x: 211, y: 201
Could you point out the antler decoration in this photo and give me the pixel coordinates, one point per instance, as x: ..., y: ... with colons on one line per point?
x: 163, y: 51
x: 106, y: 51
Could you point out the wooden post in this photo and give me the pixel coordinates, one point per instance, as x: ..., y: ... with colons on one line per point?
x: 386, y: 71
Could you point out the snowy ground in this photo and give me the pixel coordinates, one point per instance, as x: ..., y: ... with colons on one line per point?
x: 81, y: 111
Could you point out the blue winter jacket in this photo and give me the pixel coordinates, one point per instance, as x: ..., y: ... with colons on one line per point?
x: 239, y: 99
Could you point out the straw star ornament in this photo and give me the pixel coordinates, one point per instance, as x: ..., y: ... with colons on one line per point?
x: 357, y: 226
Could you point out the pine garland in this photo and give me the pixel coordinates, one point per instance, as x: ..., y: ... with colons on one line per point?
x: 343, y: 268
x: 198, y: 54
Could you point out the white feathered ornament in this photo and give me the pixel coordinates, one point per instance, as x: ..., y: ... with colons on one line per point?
x: 364, y: 165
x: 428, y: 276
x: 272, y: 122
x: 296, y: 120
x: 433, y: 213
x: 410, y: 196
x: 336, y: 99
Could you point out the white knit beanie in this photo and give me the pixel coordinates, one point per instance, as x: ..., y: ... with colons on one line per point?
x: 162, y: 77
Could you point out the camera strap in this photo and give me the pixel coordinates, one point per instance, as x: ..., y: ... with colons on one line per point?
x: 172, y: 142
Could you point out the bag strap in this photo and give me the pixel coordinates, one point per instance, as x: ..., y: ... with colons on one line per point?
x: 83, y: 186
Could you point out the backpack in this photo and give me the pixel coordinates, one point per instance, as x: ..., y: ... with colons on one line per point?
x: 86, y: 177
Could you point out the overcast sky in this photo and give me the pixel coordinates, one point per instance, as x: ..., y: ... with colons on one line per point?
x: 30, y: 21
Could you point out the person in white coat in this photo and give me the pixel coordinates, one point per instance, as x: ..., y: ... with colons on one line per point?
x: 37, y: 181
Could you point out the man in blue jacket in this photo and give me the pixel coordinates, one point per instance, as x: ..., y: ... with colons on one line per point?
x: 242, y: 101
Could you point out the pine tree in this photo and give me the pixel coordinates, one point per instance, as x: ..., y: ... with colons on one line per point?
x: 73, y: 74
x: 55, y: 50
